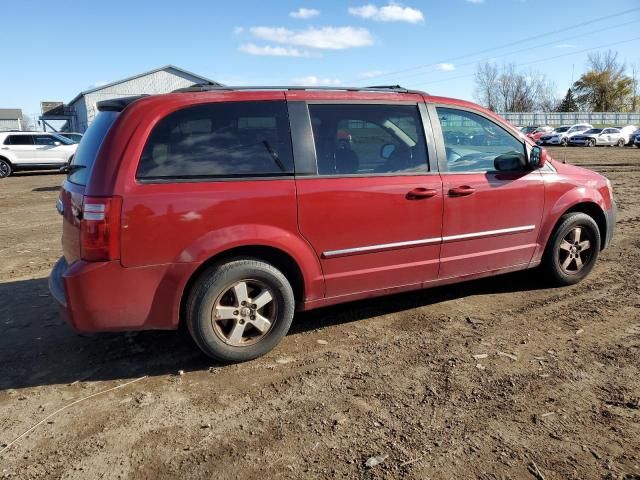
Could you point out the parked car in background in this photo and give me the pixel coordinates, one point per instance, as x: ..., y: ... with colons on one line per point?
x: 546, y: 137
x: 539, y: 132
x: 74, y: 137
x: 636, y: 142
x: 228, y: 209
x: 33, y: 151
x: 599, y: 137
x: 628, y: 133
x: 563, y: 137
x: 528, y: 129
x: 634, y: 137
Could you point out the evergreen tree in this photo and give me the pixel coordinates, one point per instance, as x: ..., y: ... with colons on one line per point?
x: 568, y: 103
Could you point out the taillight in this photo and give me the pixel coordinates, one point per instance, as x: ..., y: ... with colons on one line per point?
x: 100, y: 229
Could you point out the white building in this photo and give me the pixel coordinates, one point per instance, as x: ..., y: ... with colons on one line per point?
x: 10, y: 119
x: 81, y: 111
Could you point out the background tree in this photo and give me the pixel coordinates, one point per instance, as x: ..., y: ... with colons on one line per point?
x: 568, y: 103
x: 486, y: 80
x: 506, y: 89
x: 635, y: 97
x: 604, y: 87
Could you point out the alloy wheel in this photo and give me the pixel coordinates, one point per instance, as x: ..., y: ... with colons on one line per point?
x: 5, y: 170
x: 244, y: 313
x: 575, y: 250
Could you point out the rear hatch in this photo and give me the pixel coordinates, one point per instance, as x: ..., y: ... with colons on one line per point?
x: 72, y: 204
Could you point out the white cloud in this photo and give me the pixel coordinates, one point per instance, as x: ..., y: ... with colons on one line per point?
x: 238, y: 30
x: 446, y: 67
x: 565, y: 45
x: 475, y: 1
x: 312, y: 80
x: 305, y: 13
x: 274, y: 51
x: 328, y: 38
x: 371, y: 74
x: 389, y: 13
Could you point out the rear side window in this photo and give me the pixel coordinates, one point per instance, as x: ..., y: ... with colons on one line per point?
x: 19, y: 140
x: 368, y: 139
x: 231, y: 139
x: 46, y: 140
x: 87, y: 151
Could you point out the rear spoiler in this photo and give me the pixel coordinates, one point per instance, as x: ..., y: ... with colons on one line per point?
x: 117, y: 104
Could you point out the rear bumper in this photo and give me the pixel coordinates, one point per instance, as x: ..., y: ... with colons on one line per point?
x: 105, y: 296
x: 610, y: 217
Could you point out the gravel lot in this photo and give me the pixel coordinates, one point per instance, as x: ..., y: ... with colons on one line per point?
x: 556, y: 397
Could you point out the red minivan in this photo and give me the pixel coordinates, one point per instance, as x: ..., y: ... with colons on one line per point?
x: 229, y: 209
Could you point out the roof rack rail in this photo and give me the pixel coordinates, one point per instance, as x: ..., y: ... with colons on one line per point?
x: 206, y: 87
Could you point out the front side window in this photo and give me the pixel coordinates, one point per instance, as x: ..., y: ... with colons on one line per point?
x: 368, y: 139
x: 231, y: 139
x: 19, y: 140
x: 473, y: 143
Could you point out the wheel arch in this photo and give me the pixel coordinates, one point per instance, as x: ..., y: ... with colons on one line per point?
x: 277, y: 257
x: 594, y: 211
x: 6, y: 159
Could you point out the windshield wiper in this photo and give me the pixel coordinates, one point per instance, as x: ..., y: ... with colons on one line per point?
x: 69, y: 169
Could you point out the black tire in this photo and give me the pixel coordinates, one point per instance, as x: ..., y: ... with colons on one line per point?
x: 5, y: 168
x: 564, y: 142
x: 217, y: 282
x: 555, y: 257
x: 591, y: 142
x: 621, y: 143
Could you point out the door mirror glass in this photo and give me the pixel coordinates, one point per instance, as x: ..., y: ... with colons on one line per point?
x: 386, y: 150
x: 537, y: 157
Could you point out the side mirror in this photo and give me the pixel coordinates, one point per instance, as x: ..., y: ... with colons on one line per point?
x: 510, y: 162
x: 387, y: 150
x: 537, y: 157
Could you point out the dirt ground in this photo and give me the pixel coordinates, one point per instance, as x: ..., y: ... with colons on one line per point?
x: 394, y: 377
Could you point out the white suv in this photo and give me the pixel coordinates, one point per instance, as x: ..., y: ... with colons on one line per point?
x: 33, y: 151
x: 563, y: 137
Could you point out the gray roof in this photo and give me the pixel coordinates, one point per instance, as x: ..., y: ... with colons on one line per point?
x: 166, y: 67
x: 10, y: 113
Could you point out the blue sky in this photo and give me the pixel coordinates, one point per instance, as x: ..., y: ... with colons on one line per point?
x: 64, y: 47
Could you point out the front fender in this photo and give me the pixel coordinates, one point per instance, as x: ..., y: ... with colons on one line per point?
x: 559, y: 204
x: 216, y: 242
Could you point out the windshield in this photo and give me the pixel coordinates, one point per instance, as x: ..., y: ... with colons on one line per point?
x: 593, y: 130
x: 561, y: 129
x: 89, y: 145
x: 63, y: 140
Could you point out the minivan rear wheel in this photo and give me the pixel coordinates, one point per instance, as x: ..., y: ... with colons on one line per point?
x: 573, y: 249
x: 240, y: 310
x: 5, y: 168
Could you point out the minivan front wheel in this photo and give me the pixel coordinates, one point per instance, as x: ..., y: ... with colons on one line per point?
x: 5, y: 168
x: 573, y: 249
x: 240, y: 310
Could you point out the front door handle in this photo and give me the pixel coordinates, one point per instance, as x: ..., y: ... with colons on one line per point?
x: 461, y: 191
x: 420, y: 193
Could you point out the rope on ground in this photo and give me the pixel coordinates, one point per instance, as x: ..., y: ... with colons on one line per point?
x: 26, y: 432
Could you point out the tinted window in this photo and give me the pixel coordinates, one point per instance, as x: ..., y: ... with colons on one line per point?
x: 234, y: 139
x: 19, y: 140
x: 46, y: 140
x: 368, y: 139
x: 88, y: 148
x: 473, y: 142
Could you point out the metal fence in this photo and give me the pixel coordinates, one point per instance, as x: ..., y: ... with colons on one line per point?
x: 555, y: 119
